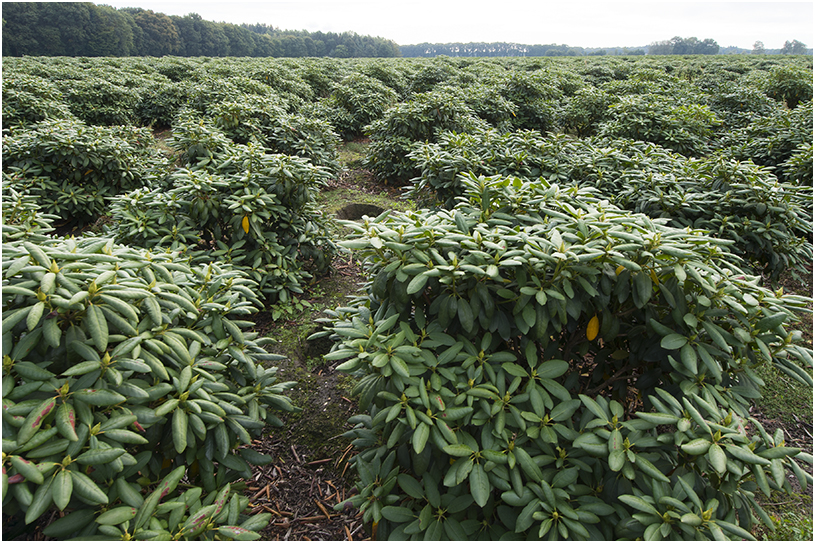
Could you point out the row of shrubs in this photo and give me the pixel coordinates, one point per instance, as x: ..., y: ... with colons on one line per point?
x: 537, y: 363
x: 769, y: 222
x: 132, y: 389
x: 557, y: 349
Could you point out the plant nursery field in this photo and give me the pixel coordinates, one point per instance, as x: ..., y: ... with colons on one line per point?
x: 347, y: 299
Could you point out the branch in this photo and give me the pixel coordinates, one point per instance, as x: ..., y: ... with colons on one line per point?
x: 616, y: 377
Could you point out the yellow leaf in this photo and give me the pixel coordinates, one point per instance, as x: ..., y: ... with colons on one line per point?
x: 619, y: 270
x: 593, y: 328
x: 245, y: 223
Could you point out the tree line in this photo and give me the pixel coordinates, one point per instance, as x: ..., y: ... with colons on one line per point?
x: 86, y: 29
x: 675, y: 46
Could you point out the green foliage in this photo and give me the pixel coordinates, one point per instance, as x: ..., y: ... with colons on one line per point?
x: 789, y: 84
x: 211, y: 90
x: 391, y: 74
x: 31, y: 99
x: 22, y: 215
x: 355, y: 102
x: 521, y: 153
x: 160, y: 103
x: 538, y: 363
x: 536, y: 97
x: 259, y: 119
x: 797, y: 169
x: 82, y: 28
x: 72, y: 167
x: 124, y: 372
x: 773, y: 139
x: 739, y: 106
x: 684, y: 128
x: 100, y: 102
x: 239, y: 204
x: 284, y: 80
x: 419, y: 119
x: 586, y: 110
x: 767, y: 221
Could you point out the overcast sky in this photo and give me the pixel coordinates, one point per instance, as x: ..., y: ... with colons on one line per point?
x: 572, y: 22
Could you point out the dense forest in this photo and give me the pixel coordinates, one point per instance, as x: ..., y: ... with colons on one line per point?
x: 86, y: 29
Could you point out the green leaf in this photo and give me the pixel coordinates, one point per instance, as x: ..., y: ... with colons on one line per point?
x: 687, y: 355
x: 34, y: 420
x: 62, y: 488
x: 594, y: 407
x: 411, y: 486
x: 458, y: 449
x: 420, y: 435
x: 525, y: 517
x: 117, y: 515
x: 84, y: 486
x: 649, y: 469
x: 71, y: 523
x: 40, y: 501
x: 745, y: 455
x: 564, y: 478
x: 527, y: 464
x: 718, y: 459
x: 97, y: 326
x: 616, y: 460
x: 639, y: 504
x: 658, y: 418
x: 552, y: 369
x: 480, y: 486
x: 417, y: 283
x: 398, y: 514
x: 27, y: 469
x: 697, y: 446
x: 615, y: 441
x: 33, y: 317
x: 673, y: 341
x: 99, y: 397
x: 691, y: 519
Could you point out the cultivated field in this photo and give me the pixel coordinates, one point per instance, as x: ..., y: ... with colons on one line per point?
x: 557, y: 298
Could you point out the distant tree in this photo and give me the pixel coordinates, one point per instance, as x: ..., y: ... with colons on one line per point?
x: 241, y: 41
x: 85, y: 29
x: 794, y: 48
x: 110, y: 33
x: 159, y: 34
x: 707, y: 47
x: 758, y: 48
x: 684, y: 46
x: 660, y: 48
x: 341, y: 51
x: 188, y: 34
x: 21, y: 35
x: 294, y: 46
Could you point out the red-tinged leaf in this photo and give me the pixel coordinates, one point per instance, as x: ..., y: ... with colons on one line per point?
x: 34, y: 420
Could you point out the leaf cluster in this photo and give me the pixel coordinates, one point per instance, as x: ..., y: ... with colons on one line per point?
x: 240, y: 204
x: 72, y: 168
x: 536, y: 362
x: 125, y: 372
